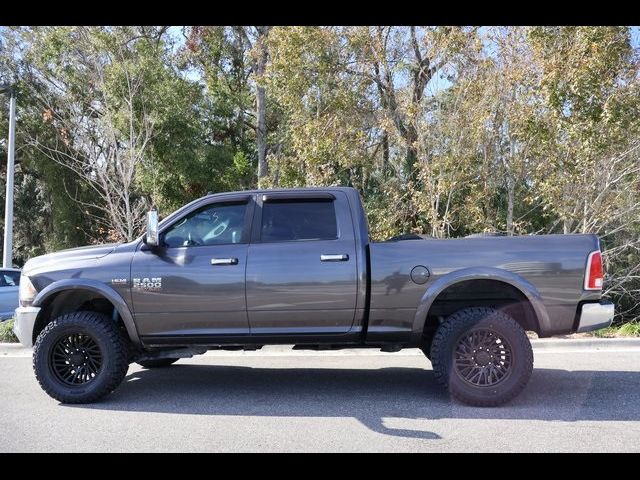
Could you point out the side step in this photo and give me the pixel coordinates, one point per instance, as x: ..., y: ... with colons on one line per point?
x: 391, y: 347
x: 173, y: 353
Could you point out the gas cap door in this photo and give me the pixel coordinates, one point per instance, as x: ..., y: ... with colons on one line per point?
x: 420, y: 274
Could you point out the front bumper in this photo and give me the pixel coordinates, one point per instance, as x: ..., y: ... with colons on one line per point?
x: 24, y: 323
x: 594, y: 316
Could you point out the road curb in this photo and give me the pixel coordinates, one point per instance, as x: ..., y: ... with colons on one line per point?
x: 585, y: 343
x: 14, y: 350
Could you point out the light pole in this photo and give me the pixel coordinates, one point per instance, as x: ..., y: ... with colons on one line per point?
x: 7, y: 252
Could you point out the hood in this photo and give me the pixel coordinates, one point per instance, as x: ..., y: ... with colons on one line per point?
x: 57, y: 259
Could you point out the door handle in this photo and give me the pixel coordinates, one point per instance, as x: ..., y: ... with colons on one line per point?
x: 334, y: 258
x: 224, y: 261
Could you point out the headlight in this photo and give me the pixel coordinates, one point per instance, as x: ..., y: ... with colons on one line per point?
x: 27, y: 291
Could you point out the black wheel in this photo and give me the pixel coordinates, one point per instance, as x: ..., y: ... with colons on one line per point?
x: 482, y: 356
x: 80, y: 357
x: 158, y: 362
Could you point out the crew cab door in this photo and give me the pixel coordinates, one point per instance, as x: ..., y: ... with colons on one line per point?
x: 301, y: 267
x: 194, y: 283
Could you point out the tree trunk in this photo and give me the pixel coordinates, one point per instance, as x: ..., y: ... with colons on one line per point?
x: 261, y: 107
x: 261, y: 140
x: 511, y: 183
x: 510, y: 199
x: 386, y: 167
x: 411, y: 139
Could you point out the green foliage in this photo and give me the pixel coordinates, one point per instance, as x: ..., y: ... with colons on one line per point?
x: 326, y: 134
x: 45, y: 218
x: 6, y: 332
x: 631, y: 329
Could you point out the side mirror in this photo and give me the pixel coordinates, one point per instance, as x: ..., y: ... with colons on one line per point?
x: 151, y: 238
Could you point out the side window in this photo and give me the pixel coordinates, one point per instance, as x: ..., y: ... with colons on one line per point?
x: 298, y: 220
x: 10, y: 279
x: 216, y: 224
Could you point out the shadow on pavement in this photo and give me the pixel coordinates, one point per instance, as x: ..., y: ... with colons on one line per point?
x: 370, y: 396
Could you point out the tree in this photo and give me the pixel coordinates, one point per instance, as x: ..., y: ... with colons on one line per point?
x: 44, y: 218
x: 591, y: 176
x: 97, y: 96
x: 232, y: 60
x: 324, y: 135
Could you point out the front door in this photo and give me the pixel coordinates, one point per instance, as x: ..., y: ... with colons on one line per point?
x: 301, y: 269
x: 194, y: 283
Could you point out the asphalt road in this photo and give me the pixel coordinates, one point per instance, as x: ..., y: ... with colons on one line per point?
x: 585, y: 400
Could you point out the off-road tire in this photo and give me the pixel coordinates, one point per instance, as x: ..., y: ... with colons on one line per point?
x: 157, y: 362
x: 113, y: 347
x: 458, y: 327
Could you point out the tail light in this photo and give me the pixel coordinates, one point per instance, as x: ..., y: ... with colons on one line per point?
x: 594, y: 274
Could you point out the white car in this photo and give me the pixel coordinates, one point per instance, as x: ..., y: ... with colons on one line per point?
x: 9, y: 286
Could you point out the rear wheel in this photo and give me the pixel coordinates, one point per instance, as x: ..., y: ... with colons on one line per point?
x: 157, y: 362
x: 80, y: 357
x: 482, y: 356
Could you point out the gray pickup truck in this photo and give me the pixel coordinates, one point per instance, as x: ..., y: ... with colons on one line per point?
x: 245, y: 269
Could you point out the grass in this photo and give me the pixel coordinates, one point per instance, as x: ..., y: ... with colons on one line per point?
x: 631, y: 329
x: 6, y: 332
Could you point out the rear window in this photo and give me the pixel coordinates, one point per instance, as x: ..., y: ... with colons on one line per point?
x: 299, y: 220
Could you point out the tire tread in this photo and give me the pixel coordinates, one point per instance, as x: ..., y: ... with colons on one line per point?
x: 101, y: 325
x: 465, y: 319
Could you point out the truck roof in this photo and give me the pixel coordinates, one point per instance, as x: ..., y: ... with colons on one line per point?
x: 293, y: 190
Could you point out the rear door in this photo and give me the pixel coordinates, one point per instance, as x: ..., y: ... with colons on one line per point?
x: 301, y: 266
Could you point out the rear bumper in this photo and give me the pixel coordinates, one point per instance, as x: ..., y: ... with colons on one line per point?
x: 24, y: 323
x: 594, y: 316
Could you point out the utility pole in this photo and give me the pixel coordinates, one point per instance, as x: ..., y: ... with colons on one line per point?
x: 7, y: 252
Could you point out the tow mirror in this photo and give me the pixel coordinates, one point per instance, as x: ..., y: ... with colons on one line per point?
x: 151, y: 237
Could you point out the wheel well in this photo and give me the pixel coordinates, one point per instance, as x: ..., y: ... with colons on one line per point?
x: 68, y: 301
x: 476, y: 293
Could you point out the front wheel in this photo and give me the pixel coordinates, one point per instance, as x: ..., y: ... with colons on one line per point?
x: 80, y: 357
x: 482, y: 356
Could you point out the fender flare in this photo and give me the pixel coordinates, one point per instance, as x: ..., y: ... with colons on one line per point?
x: 96, y: 287
x: 481, y: 273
